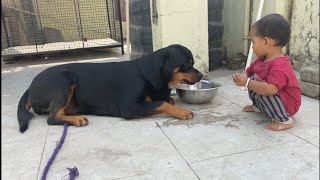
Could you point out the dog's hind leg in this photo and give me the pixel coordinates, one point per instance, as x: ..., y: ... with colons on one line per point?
x: 62, y: 110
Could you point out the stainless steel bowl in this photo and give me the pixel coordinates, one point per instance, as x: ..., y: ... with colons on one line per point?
x: 201, y: 92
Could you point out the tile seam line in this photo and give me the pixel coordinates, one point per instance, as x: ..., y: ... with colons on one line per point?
x: 303, y: 139
x: 242, y: 152
x: 41, y: 158
x: 178, y: 151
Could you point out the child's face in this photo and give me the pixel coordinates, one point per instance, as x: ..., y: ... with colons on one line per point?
x: 259, y: 44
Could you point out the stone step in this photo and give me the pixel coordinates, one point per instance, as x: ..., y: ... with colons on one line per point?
x: 309, y: 89
x: 310, y: 74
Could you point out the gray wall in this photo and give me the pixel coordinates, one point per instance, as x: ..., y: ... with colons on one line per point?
x: 140, y: 28
x: 233, y: 19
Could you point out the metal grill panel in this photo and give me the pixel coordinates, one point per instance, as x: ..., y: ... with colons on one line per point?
x: 39, y: 26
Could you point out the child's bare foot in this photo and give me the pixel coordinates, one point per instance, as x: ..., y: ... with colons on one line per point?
x: 275, y: 126
x: 248, y: 108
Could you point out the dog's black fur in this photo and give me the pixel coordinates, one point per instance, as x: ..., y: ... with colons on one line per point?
x: 128, y: 89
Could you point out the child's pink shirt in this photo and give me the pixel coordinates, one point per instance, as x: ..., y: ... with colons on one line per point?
x: 280, y: 73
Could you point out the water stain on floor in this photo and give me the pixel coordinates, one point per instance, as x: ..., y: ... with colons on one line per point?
x: 204, y: 119
x: 108, y: 154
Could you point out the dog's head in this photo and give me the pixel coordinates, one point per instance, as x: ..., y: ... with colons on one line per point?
x: 178, y: 66
x: 169, y: 66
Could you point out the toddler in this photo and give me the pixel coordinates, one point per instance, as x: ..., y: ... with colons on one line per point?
x: 272, y: 84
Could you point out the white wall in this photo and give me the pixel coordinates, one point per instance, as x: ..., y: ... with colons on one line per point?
x: 183, y: 22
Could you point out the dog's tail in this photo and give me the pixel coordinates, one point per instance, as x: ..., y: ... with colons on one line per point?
x: 24, y: 115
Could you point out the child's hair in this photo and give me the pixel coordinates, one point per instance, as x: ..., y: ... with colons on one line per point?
x: 275, y: 27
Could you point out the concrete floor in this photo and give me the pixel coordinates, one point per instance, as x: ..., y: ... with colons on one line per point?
x: 221, y: 142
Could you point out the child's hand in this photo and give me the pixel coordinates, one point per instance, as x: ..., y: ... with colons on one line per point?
x: 239, y: 79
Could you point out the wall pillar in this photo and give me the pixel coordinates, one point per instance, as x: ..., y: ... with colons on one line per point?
x: 182, y: 22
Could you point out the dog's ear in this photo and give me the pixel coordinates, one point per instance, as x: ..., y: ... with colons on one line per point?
x: 168, y: 66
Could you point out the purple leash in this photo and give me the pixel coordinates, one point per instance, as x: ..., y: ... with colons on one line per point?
x: 73, y: 171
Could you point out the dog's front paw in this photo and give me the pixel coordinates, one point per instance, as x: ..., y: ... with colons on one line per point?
x: 184, y: 114
x: 80, y: 121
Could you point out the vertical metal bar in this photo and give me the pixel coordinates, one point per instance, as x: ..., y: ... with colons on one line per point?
x: 6, y: 23
x: 22, y: 26
x: 44, y: 39
x: 114, y: 19
x: 128, y: 29
x: 121, y: 34
x: 80, y: 24
x: 32, y: 24
x: 75, y: 12
x: 5, y: 28
x: 108, y: 14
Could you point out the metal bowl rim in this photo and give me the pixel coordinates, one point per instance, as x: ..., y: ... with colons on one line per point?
x: 206, y: 81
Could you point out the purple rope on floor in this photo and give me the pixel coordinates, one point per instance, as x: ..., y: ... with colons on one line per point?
x: 73, y: 171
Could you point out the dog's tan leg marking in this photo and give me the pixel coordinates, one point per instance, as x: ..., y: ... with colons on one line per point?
x: 69, y: 108
x: 175, y: 111
x: 74, y: 120
x: 64, y: 113
x: 148, y: 99
x: 28, y: 105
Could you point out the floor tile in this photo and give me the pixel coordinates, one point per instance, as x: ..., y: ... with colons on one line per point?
x: 138, y: 149
x: 293, y: 160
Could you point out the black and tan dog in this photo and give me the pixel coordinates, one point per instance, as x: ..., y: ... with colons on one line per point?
x: 128, y: 89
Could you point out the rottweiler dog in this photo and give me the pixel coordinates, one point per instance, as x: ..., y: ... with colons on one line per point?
x: 127, y: 89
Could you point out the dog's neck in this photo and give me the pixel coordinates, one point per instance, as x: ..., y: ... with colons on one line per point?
x: 151, y: 68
